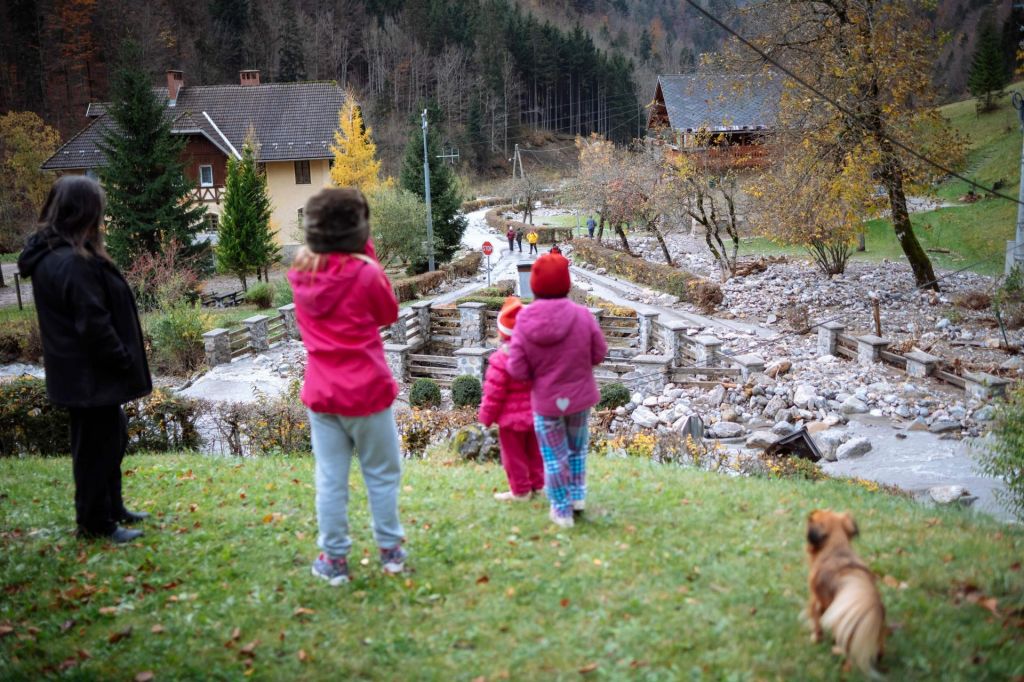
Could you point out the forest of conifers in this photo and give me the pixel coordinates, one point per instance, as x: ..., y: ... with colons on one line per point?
x: 488, y: 68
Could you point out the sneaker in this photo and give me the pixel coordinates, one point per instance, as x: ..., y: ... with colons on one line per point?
x: 578, y: 507
x: 392, y: 559
x: 560, y: 521
x: 509, y: 496
x: 334, y: 571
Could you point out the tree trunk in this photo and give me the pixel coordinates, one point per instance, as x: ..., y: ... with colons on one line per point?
x: 661, y: 242
x: 622, y: 236
x: 245, y: 286
x: 862, y: 242
x: 924, y: 275
x: 600, y: 227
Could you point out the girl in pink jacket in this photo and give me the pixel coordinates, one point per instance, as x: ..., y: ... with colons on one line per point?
x: 556, y: 346
x: 342, y: 298
x: 507, y: 403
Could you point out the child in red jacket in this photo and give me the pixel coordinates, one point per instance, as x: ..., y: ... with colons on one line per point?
x: 342, y: 298
x: 507, y: 402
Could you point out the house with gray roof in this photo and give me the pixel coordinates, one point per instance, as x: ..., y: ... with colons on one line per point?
x: 293, y: 124
x: 728, y: 109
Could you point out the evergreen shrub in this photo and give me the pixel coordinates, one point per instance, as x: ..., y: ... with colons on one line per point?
x: 466, y: 391
x: 425, y: 393
x: 612, y: 396
x: 260, y: 295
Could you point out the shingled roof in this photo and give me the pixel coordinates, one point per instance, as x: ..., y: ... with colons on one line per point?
x: 293, y: 121
x: 718, y: 102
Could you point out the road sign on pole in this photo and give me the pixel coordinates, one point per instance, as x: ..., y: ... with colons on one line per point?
x: 488, y: 249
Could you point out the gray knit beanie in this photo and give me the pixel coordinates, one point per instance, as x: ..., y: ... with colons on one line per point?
x: 337, y: 220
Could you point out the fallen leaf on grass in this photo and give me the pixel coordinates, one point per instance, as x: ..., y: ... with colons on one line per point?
x: 67, y: 625
x: 6, y: 630
x: 67, y: 664
x: 302, y: 611
x: 108, y: 610
x: 483, y: 580
x: 145, y: 676
x: 303, y: 656
x: 588, y: 668
x: 972, y: 595
x: 564, y: 603
x: 157, y: 629
x: 249, y: 650
x: 894, y: 583
x: 116, y: 637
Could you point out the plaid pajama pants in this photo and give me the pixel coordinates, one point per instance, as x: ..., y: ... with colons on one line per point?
x: 563, y: 445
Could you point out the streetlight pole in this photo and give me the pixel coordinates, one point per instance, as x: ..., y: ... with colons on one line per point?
x: 1015, y: 249
x: 426, y: 183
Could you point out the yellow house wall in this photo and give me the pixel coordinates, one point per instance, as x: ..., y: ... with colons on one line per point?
x: 287, y: 197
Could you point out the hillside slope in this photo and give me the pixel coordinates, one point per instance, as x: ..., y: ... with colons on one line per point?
x: 675, y: 574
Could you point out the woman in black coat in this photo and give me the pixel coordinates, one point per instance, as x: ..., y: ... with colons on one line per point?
x: 92, y: 347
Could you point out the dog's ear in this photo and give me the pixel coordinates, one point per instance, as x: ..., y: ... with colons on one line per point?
x: 816, y: 535
x: 850, y: 526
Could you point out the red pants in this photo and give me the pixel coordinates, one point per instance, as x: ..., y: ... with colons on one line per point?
x: 520, y: 455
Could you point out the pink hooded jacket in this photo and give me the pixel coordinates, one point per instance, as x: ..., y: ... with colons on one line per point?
x: 340, y: 309
x: 506, y: 400
x: 556, y: 345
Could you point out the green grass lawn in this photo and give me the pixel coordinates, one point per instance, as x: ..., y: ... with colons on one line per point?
x: 676, y: 574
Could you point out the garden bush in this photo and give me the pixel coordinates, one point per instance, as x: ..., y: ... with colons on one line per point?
x: 612, y: 396
x: 1004, y: 456
x: 425, y: 393
x: 267, y: 426
x: 176, y: 337
x: 163, y: 279
x: 676, y: 281
x: 466, y: 391
x: 467, y: 266
x: 31, y: 425
x: 260, y: 295
x: 20, y: 340
x: 283, y: 294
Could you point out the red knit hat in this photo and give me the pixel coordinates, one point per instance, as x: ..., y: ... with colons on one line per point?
x: 507, y: 316
x: 549, y: 276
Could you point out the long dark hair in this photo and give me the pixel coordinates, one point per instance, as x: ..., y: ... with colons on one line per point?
x: 73, y: 212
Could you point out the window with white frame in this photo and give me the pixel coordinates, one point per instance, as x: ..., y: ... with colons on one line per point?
x: 206, y: 176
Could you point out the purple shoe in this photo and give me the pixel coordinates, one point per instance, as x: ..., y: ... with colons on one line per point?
x: 334, y: 571
x: 392, y: 559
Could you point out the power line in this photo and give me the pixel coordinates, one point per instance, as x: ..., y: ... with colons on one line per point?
x: 853, y: 116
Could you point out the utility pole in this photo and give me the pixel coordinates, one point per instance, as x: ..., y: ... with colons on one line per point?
x: 426, y: 184
x: 1015, y: 249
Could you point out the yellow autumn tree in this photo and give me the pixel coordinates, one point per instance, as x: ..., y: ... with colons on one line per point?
x: 355, y: 154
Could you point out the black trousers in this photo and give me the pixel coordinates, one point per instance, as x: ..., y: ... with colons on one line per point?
x: 519, y: 243
x: 99, y: 438
x: 533, y: 248
x: 511, y: 244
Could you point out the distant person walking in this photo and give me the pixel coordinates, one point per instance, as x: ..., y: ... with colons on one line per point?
x: 342, y: 299
x: 519, y: 238
x: 531, y: 238
x: 93, y: 348
x: 591, y: 226
x: 510, y: 235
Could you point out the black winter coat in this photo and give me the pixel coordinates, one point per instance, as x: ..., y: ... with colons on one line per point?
x: 92, y: 341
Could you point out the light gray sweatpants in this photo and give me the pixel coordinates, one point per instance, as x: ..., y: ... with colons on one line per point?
x: 374, y: 440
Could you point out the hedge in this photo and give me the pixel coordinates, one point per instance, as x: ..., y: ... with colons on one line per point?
x: 31, y: 425
x: 676, y: 281
x: 547, y: 234
x: 408, y: 288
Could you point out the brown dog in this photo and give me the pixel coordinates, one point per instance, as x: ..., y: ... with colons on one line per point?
x: 844, y: 598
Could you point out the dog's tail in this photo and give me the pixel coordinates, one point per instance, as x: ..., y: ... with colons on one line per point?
x: 856, y: 618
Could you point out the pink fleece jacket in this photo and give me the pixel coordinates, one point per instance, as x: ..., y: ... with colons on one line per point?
x: 340, y: 309
x: 556, y: 345
x: 506, y: 400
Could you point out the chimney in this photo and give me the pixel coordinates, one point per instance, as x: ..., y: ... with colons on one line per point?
x: 249, y: 77
x: 175, y: 82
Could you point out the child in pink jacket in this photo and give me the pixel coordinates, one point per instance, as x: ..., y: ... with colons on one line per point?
x: 507, y: 403
x: 342, y: 298
x: 556, y: 346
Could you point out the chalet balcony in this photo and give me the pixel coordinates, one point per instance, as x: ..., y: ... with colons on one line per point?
x: 730, y: 157
x: 212, y: 195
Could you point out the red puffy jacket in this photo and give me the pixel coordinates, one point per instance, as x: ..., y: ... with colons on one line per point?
x: 506, y: 400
